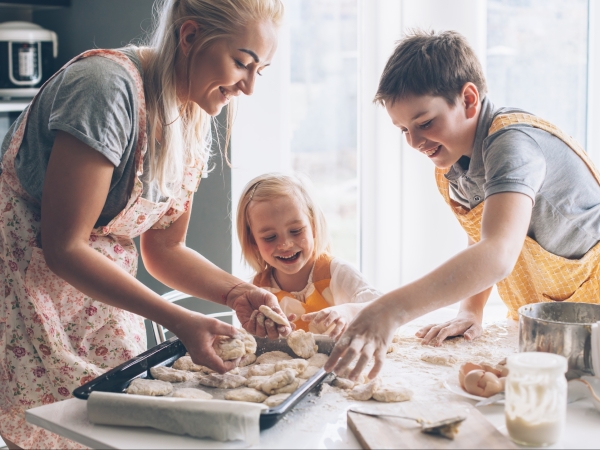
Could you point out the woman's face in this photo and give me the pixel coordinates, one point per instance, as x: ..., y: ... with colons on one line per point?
x: 227, y: 67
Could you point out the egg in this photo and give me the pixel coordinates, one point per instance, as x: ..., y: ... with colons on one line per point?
x: 482, y: 383
x: 464, y: 370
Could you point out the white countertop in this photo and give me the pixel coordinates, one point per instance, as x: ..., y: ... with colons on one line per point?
x: 320, y: 422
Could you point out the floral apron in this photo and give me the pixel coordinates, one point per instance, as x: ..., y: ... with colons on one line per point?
x: 317, y: 294
x: 54, y: 338
x: 538, y: 276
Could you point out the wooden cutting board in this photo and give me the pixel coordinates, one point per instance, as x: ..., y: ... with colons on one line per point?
x: 390, y: 432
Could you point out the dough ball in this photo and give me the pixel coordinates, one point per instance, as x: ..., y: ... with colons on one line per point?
x: 364, y: 392
x: 439, y: 359
x: 270, y: 314
x: 247, y: 359
x: 249, y: 342
x: 318, y: 359
x: 225, y: 381
x: 171, y: 375
x: 256, y: 382
x: 278, y: 380
x: 272, y: 357
x: 299, y: 365
x: 192, y: 393
x: 309, y: 372
x: 144, y: 386
x: 392, y: 394
x: 302, y: 343
x: 246, y: 395
x: 343, y: 383
x: 275, y: 400
x: 243, y: 371
x: 228, y: 348
x: 185, y: 363
x: 262, y: 369
x: 289, y: 388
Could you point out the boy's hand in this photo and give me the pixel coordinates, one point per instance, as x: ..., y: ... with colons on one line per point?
x: 365, y: 340
x: 466, y: 323
x: 334, y: 319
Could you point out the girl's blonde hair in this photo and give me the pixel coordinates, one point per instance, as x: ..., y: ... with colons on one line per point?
x: 268, y: 187
x: 186, y: 130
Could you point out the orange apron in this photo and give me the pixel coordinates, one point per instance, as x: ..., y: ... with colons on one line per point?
x: 538, y: 276
x: 54, y: 338
x: 317, y: 294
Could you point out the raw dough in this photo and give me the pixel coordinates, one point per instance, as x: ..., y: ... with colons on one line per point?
x: 289, y: 388
x: 343, y: 383
x: 318, y: 360
x: 279, y: 380
x: 392, y: 393
x: 228, y: 348
x: 299, y: 365
x: 247, y: 359
x: 302, y: 343
x: 144, y: 386
x: 309, y: 372
x: 249, y: 341
x: 256, y: 381
x: 364, y: 392
x: 243, y: 371
x: 192, y: 393
x: 436, y: 358
x: 225, y: 381
x: 270, y: 314
x: 185, y: 363
x: 171, y: 375
x: 262, y: 369
x: 275, y: 400
x: 272, y: 357
x: 246, y: 395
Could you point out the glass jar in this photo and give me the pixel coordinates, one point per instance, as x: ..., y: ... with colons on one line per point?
x: 536, y: 398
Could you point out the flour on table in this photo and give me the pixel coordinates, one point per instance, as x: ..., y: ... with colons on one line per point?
x: 143, y: 386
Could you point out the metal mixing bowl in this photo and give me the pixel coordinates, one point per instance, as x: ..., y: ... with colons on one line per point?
x: 562, y: 328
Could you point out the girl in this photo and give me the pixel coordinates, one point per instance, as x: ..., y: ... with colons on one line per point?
x: 113, y: 147
x: 284, y: 238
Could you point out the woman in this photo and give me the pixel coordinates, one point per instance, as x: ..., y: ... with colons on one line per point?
x: 113, y: 147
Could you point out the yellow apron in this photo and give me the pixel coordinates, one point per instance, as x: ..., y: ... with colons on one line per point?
x: 316, y: 294
x: 538, y: 276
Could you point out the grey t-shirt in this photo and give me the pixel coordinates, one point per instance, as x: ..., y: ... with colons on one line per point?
x: 565, y: 219
x: 95, y: 100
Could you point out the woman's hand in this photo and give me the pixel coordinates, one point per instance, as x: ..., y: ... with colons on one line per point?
x: 198, y: 333
x: 466, y: 323
x: 367, y: 336
x: 334, y: 318
x: 245, y: 299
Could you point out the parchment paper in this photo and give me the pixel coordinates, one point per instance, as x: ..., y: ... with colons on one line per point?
x: 216, y: 419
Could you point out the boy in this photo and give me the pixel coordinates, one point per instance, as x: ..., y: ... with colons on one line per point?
x: 526, y: 194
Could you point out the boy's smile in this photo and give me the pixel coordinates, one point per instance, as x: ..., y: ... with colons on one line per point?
x: 442, y: 132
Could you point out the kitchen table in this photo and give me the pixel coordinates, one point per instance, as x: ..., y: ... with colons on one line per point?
x: 319, y: 421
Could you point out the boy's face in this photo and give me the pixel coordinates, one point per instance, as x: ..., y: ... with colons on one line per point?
x: 442, y: 132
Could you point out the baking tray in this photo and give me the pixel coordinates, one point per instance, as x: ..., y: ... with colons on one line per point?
x: 165, y: 354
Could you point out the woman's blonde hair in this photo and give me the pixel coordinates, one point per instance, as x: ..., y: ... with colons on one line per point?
x: 268, y: 187
x: 186, y: 130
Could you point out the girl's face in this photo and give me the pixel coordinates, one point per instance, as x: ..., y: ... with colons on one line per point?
x: 226, y: 68
x: 283, y: 234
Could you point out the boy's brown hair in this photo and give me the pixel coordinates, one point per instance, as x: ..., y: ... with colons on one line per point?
x: 430, y: 63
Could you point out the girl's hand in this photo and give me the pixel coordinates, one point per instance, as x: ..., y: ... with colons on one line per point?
x: 466, y: 323
x: 198, y: 333
x: 367, y: 336
x: 245, y: 299
x: 335, y: 318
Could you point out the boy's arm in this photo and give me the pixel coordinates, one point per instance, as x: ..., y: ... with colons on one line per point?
x: 506, y: 218
x: 466, y: 323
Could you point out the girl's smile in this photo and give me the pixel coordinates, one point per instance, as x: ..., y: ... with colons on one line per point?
x: 283, y: 234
